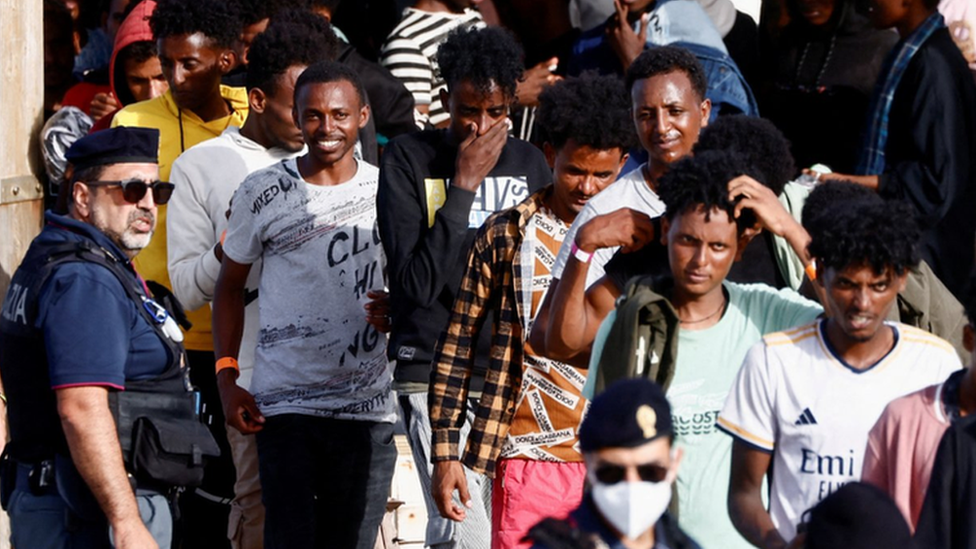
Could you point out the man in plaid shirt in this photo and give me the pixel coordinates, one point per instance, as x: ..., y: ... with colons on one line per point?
x: 525, y: 431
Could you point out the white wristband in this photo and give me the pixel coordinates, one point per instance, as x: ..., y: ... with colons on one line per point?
x: 580, y: 255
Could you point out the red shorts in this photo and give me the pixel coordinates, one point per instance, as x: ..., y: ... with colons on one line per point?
x: 527, y: 491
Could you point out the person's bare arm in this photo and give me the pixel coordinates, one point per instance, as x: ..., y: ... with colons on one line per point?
x: 773, y: 217
x: 575, y: 313
x: 102, y: 104
x: 626, y: 43
x: 228, y: 327
x: 750, y: 517
x: 870, y: 181
x: 534, y: 81
x: 449, y: 476
x: 770, y: 213
x: 94, y: 443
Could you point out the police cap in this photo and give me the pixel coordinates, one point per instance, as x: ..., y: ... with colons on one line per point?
x: 121, y: 145
x: 631, y: 412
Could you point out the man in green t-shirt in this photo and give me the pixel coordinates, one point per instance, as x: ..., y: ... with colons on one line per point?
x: 710, y: 204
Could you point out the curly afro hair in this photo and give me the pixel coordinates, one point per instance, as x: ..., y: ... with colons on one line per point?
x: 325, y: 72
x: 757, y: 140
x: 485, y: 57
x: 566, y: 112
x: 703, y: 181
x: 254, y: 11
x: 330, y: 5
x: 294, y: 37
x: 218, y: 20
x: 665, y: 60
x: 828, y: 194
x: 851, y: 227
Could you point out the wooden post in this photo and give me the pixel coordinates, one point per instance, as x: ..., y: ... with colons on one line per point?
x: 22, y: 94
x: 22, y: 97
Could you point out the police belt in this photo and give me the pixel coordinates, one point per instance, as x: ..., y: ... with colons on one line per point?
x: 38, y: 478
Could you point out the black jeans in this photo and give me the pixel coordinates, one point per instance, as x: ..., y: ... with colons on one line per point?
x: 324, y: 482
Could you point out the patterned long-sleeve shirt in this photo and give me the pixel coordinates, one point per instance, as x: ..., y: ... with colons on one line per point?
x: 492, y: 282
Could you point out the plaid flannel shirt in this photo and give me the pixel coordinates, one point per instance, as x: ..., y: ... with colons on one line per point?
x: 492, y: 282
x: 873, y: 154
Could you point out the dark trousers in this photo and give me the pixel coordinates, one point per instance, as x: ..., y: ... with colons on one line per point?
x: 204, y: 511
x: 324, y: 481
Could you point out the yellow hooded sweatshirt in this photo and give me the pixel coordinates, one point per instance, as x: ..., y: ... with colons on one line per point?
x: 178, y: 131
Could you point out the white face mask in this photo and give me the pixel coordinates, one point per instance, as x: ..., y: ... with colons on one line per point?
x: 632, y: 507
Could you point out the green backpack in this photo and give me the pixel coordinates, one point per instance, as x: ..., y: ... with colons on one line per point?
x: 643, y: 340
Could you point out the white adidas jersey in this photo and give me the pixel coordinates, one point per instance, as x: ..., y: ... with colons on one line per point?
x: 795, y: 396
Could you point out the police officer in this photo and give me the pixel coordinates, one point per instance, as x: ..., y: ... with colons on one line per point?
x: 627, y: 444
x: 78, y: 326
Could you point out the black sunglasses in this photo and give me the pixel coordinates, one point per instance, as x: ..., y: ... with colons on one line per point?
x: 648, y: 472
x: 133, y: 190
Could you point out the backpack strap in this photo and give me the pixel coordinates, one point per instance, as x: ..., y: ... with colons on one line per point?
x: 643, y: 340
x: 83, y: 250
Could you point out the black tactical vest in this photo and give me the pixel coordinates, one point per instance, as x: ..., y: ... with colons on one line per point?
x: 35, y: 427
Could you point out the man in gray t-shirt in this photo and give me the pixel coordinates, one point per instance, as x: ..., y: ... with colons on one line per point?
x: 322, y: 406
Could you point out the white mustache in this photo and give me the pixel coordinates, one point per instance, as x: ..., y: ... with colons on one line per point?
x: 142, y: 215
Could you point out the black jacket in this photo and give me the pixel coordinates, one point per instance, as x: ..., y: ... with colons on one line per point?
x: 818, y: 83
x: 930, y: 156
x: 391, y: 103
x: 427, y: 246
x: 948, y: 519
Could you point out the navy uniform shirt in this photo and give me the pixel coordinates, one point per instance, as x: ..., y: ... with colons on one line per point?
x: 94, y: 333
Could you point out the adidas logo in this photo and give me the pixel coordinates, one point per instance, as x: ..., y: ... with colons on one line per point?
x: 806, y: 418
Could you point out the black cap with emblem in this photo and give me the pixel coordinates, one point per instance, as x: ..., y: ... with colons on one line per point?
x: 120, y: 145
x: 629, y: 413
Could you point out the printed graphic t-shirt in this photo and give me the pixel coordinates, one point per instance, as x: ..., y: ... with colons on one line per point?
x: 321, y: 251
x: 550, y: 406
x: 796, y: 396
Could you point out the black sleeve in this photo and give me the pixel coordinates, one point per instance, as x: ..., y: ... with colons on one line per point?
x: 939, y: 519
x: 652, y: 259
x: 928, y: 161
x: 392, y: 103
x: 420, y: 259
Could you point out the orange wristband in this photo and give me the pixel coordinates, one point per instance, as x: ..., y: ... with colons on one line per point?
x: 223, y: 236
x: 227, y: 362
x: 811, y: 271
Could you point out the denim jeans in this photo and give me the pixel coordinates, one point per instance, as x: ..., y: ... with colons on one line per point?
x: 474, y: 532
x: 324, y: 482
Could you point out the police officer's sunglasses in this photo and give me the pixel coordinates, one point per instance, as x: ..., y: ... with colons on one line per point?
x: 133, y: 190
x: 649, y: 472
